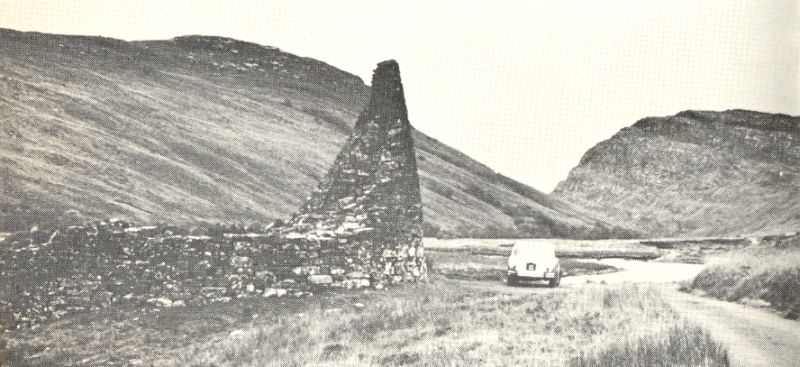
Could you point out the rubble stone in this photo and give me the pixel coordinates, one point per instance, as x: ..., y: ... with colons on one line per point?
x: 320, y: 279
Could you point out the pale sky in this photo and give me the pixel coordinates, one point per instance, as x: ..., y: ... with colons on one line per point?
x: 524, y: 87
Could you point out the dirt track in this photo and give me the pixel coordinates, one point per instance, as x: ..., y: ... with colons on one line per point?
x: 754, y: 337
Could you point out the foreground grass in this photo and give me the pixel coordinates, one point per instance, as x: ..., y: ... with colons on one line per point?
x: 768, y: 272
x: 441, y: 323
x: 683, y: 345
x: 466, y: 265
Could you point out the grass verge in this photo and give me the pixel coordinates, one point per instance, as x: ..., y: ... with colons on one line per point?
x: 767, y: 273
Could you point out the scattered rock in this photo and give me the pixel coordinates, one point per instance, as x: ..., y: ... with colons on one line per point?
x: 320, y: 279
x: 274, y: 292
x: 160, y: 302
x: 220, y: 300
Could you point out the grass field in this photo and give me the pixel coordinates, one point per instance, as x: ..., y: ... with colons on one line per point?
x: 767, y: 273
x: 435, y: 324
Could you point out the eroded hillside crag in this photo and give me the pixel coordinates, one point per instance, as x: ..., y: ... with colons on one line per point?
x: 362, y: 227
x: 697, y: 173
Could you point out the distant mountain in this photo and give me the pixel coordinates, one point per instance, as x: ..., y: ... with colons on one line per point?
x: 206, y: 129
x: 696, y: 173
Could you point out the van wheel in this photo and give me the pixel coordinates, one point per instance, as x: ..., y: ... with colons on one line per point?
x: 512, y: 281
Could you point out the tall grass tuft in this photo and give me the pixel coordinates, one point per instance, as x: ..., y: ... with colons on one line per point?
x: 684, y: 345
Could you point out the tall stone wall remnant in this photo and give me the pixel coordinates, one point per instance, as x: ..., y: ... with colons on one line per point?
x: 365, y: 218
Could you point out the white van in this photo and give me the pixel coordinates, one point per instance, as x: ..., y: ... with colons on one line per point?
x: 530, y: 261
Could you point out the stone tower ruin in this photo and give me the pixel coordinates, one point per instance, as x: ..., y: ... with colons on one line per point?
x: 364, y: 221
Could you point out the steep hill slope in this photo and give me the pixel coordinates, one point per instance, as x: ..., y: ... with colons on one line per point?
x: 206, y: 129
x: 696, y: 173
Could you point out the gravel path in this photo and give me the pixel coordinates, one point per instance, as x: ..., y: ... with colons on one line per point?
x: 754, y: 337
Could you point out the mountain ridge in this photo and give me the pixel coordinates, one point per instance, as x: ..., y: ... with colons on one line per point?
x: 695, y: 173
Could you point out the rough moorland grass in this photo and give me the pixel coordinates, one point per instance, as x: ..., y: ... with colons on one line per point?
x: 682, y: 345
x: 439, y: 324
x: 465, y: 265
x: 122, y: 335
x: 765, y: 272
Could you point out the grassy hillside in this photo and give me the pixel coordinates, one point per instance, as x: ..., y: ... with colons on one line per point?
x: 696, y: 173
x: 206, y: 129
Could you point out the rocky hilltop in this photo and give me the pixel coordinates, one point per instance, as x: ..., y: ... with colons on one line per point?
x: 701, y: 173
x: 202, y: 130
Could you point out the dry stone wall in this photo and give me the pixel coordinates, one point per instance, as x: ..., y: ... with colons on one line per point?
x: 82, y: 268
x: 362, y: 227
x: 366, y: 215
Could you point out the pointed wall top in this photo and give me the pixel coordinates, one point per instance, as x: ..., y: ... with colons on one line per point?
x: 387, y: 91
x: 388, y: 69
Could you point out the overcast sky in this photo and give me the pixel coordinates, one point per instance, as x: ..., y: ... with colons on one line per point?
x: 525, y: 87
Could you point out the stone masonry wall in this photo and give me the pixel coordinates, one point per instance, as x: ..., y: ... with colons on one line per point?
x: 362, y: 227
x: 366, y: 214
x: 46, y: 275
